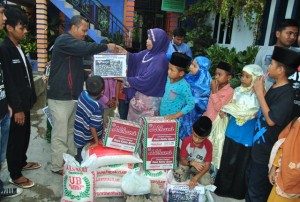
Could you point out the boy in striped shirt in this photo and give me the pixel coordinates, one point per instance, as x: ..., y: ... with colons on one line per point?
x: 89, y: 122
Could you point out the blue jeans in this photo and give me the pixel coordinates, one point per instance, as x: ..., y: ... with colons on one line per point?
x: 4, y: 134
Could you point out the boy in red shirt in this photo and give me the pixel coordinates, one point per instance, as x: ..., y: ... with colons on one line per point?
x: 196, y: 154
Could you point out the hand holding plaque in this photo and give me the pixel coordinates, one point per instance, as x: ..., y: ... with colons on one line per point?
x: 121, y: 50
x: 112, y: 47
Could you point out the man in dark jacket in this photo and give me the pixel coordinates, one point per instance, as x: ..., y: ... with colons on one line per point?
x: 5, y: 113
x: 21, y: 96
x: 65, y: 85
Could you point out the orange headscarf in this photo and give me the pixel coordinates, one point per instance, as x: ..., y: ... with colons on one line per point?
x: 289, y: 176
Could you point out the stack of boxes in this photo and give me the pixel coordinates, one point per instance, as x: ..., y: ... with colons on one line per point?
x: 117, y: 155
x: 160, y: 145
x: 159, y: 150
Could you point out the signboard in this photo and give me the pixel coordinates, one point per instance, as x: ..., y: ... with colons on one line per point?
x: 109, y: 65
x: 173, y: 5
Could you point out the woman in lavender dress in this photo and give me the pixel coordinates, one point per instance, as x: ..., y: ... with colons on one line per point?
x: 146, y: 76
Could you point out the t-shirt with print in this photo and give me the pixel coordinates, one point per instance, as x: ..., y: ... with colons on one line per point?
x: 295, y: 82
x: 280, y: 102
x: 201, y: 153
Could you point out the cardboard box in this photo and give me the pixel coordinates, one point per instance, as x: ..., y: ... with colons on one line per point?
x: 159, y: 132
x: 122, y: 134
x: 159, y: 158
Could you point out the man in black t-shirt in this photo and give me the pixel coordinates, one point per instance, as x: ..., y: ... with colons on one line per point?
x: 274, y: 114
x: 295, y: 82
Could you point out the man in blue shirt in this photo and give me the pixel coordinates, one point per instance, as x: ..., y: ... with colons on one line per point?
x: 177, y: 44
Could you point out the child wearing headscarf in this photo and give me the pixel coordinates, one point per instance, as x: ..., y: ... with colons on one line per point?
x: 284, y: 165
x: 242, y: 109
x: 199, y: 79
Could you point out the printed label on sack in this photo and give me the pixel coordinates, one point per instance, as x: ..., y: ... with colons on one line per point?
x: 116, y: 169
x: 78, y: 184
x: 158, y: 177
x: 109, y: 192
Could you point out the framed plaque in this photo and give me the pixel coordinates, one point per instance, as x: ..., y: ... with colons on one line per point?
x: 109, y: 65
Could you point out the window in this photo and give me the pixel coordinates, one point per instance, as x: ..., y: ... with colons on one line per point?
x: 222, y: 32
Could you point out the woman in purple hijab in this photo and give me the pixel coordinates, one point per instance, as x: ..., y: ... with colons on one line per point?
x: 147, y: 75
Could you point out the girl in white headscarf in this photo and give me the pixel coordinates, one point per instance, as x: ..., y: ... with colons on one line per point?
x: 242, y: 110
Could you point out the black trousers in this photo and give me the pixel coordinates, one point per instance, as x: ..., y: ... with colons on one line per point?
x: 259, y: 187
x: 17, y: 146
x: 231, y: 177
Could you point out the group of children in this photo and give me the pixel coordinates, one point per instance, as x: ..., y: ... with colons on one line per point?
x: 232, y: 129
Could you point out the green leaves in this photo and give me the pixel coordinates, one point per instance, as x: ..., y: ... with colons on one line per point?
x: 238, y: 60
x: 29, y: 44
x: 250, y: 10
x: 198, y: 34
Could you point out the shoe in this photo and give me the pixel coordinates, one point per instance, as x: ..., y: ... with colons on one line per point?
x: 32, y: 166
x: 59, y: 172
x: 23, y: 183
x: 10, y: 192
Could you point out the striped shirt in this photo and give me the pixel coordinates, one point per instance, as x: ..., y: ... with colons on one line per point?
x: 88, y: 114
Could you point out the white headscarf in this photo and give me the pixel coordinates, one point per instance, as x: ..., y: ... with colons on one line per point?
x: 255, y: 71
x: 244, y: 104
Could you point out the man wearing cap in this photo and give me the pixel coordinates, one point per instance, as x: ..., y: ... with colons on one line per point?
x: 274, y: 114
x: 5, y: 113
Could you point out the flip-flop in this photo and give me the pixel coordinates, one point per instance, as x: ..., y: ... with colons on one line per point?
x: 59, y: 172
x: 32, y: 166
x: 21, y: 184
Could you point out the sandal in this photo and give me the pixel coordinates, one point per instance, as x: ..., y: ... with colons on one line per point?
x: 59, y: 172
x: 23, y: 183
x: 32, y: 166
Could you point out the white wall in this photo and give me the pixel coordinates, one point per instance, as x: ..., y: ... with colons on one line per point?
x: 242, y: 36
